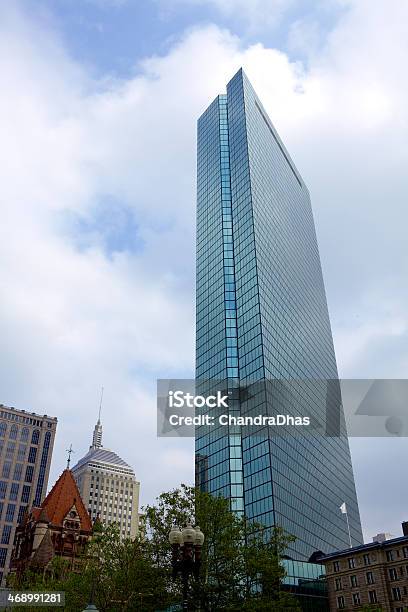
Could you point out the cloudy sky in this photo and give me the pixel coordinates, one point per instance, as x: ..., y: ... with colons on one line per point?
x: 97, y: 120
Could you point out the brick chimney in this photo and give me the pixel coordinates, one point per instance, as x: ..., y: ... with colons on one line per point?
x: 405, y: 528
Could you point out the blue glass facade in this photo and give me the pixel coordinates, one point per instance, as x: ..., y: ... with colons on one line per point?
x: 262, y: 315
x: 307, y: 582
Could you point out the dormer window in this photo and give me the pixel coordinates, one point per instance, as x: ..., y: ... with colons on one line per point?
x: 72, y: 520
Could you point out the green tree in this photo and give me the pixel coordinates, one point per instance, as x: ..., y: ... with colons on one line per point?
x: 117, y: 575
x: 241, y: 561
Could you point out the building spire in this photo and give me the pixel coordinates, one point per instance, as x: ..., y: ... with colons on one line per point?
x: 100, y: 406
x: 97, y: 433
x: 69, y: 451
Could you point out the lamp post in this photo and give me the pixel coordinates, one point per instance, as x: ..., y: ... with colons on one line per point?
x: 91, y: 605
x: 186, y: 555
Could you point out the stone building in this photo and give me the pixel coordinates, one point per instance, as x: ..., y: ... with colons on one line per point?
x: 373, y: 574
x: 381, y: 537
x: 108, y: 487
x: 61, y: 526
x: 26, y: 444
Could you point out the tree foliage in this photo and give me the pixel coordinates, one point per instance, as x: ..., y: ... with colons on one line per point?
x: 241, y: 567
x: 117, y: 575
x: 241, y: 563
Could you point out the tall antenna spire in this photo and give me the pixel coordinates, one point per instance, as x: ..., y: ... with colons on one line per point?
x: 100, y: 406
x: 97, y: 432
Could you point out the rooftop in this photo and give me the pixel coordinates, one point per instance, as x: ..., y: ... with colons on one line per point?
x: 104, y: 456
x: 364, y: 547
x: 25, y: 412
x: 101, y: 456
x: 59, y: 501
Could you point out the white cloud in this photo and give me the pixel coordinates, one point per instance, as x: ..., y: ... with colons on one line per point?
x: 75, y: 315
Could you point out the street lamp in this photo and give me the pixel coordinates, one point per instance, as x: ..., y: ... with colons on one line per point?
x: 186, y: 555
x: 91, y: 605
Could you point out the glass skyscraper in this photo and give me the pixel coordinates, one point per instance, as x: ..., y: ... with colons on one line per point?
x: 262, y: 316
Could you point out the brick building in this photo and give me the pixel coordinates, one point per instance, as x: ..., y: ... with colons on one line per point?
x: 373, y: 574
x: 61, y: 527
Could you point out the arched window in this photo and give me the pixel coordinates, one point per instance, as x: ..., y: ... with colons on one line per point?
x: 3, y: 429
x: 35, y: 437
x: 13, y: 432
x: 24, y: 434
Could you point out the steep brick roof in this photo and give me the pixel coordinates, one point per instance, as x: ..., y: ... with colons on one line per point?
x: 59, y: 501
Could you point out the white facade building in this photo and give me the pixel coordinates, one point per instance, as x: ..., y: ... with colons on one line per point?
x: 108, y: 487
